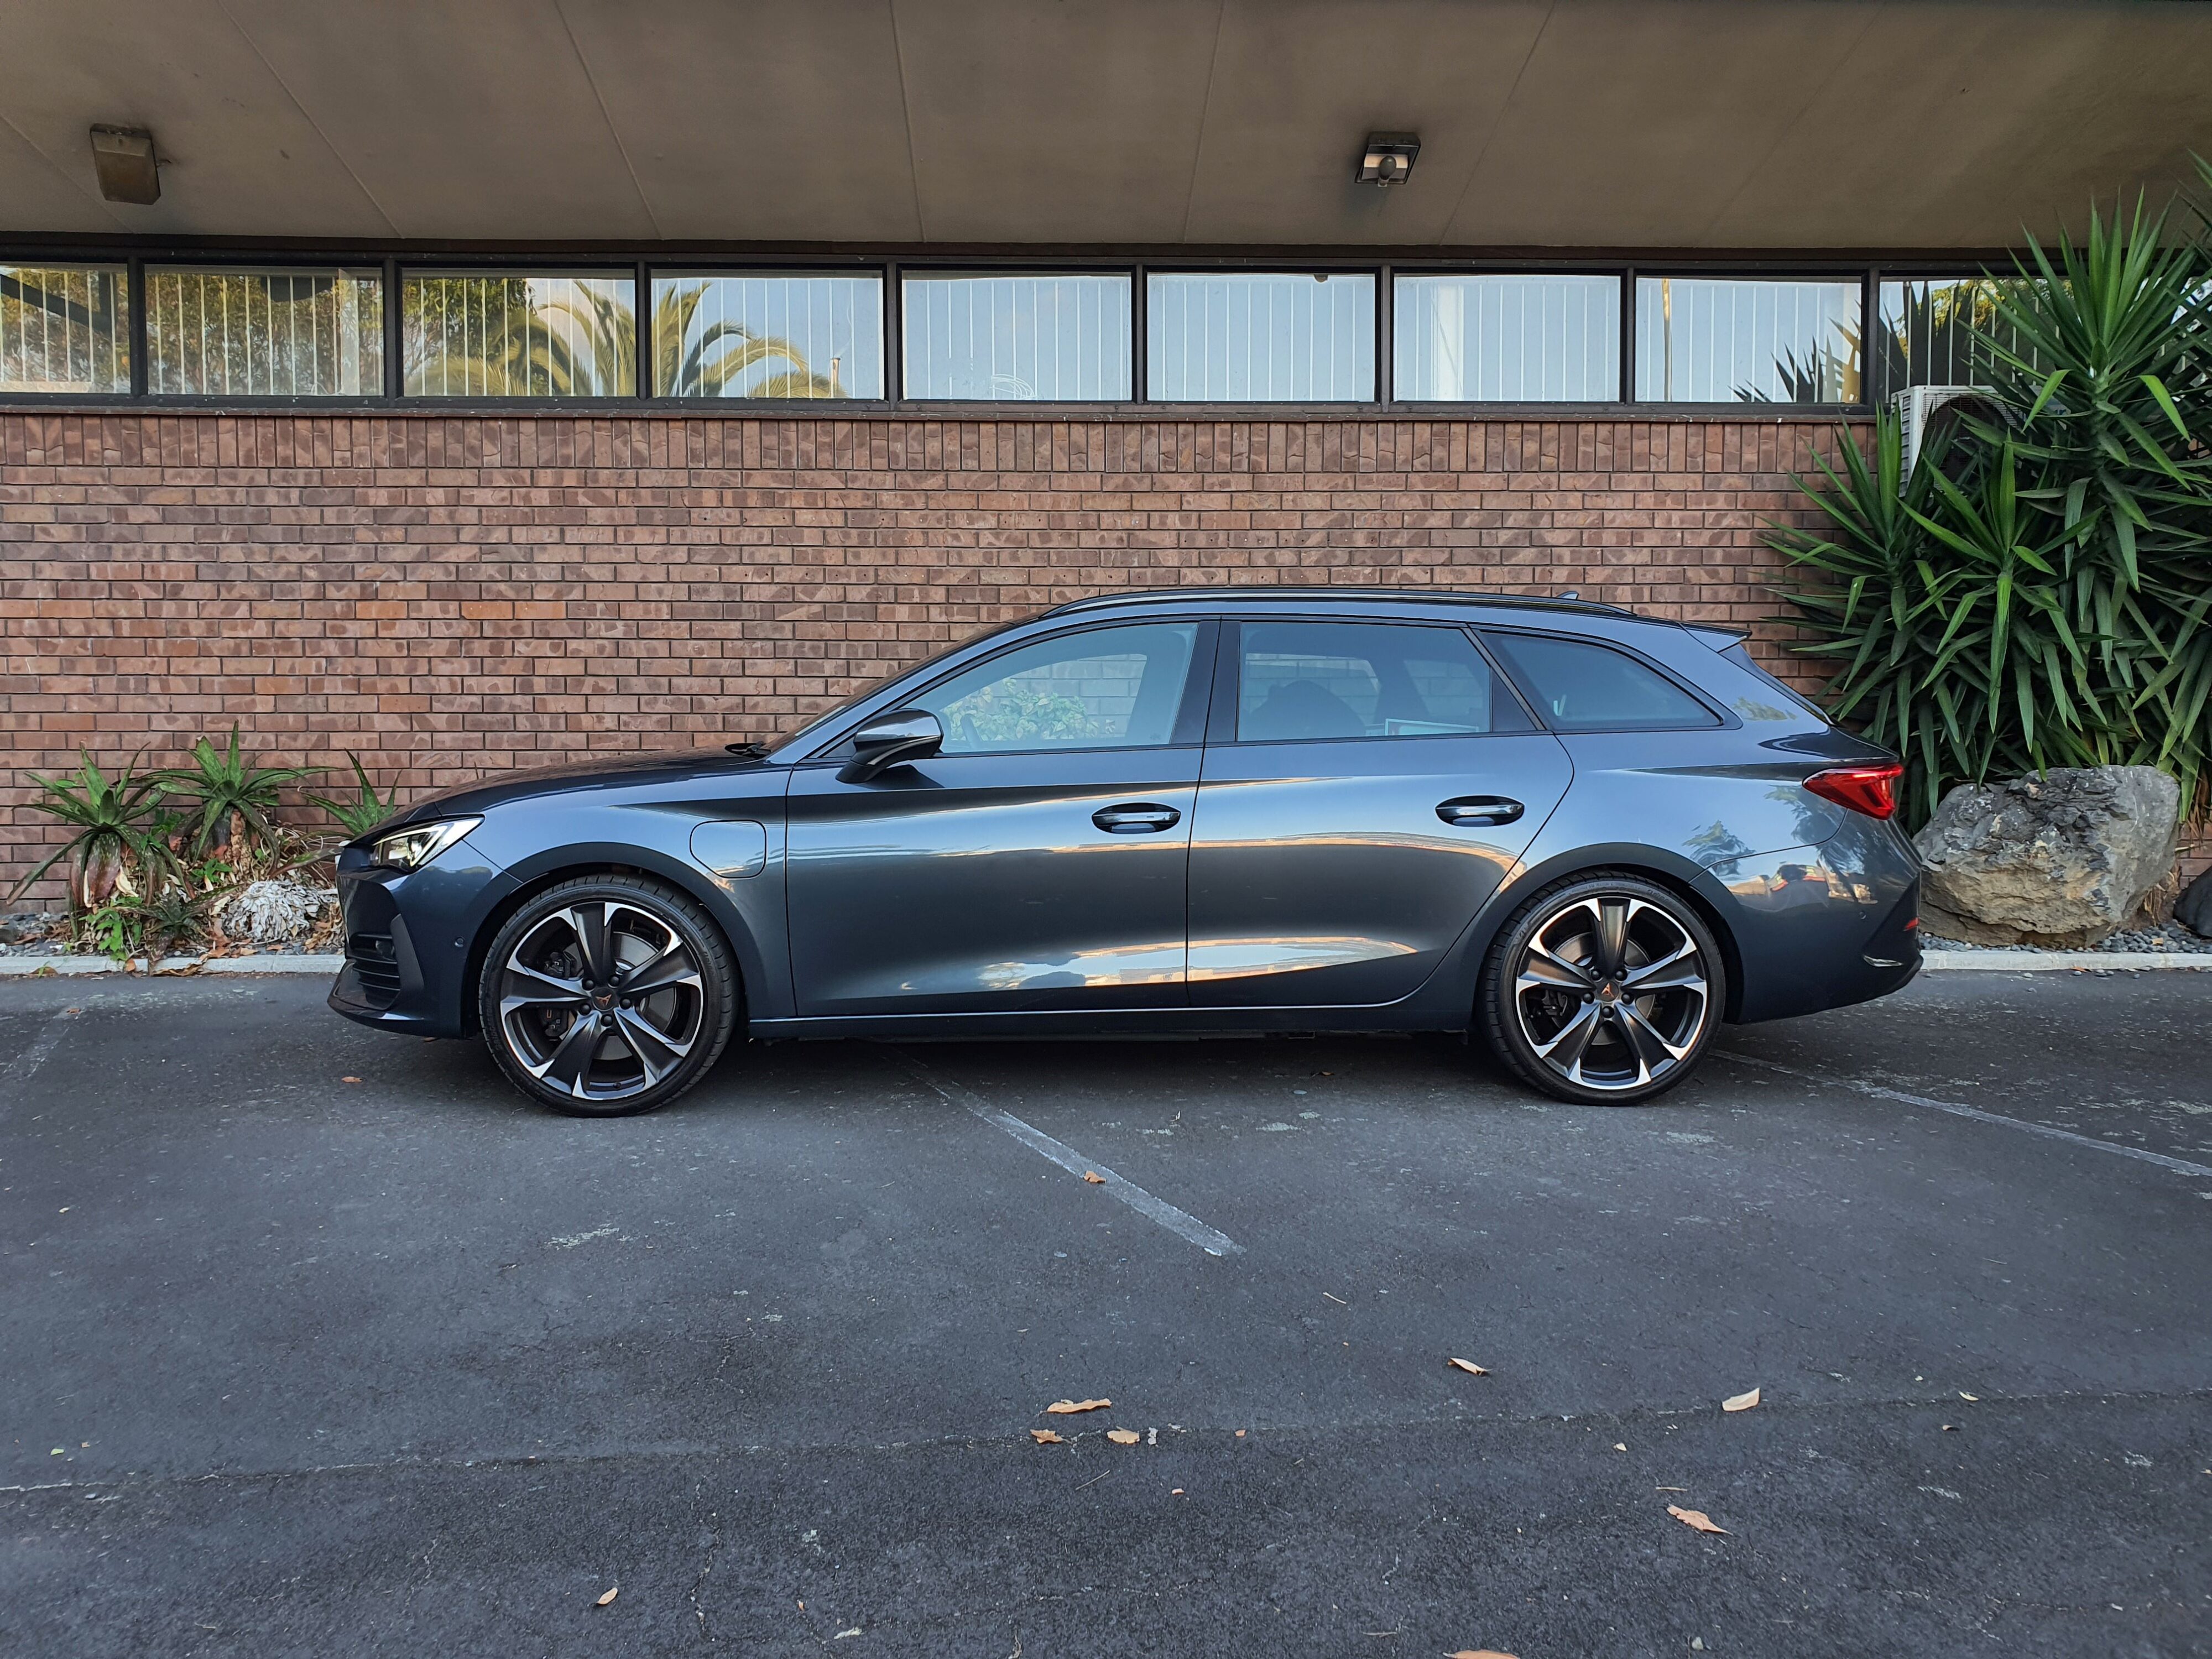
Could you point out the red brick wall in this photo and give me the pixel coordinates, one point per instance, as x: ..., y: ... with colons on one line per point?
x: 448, y: 596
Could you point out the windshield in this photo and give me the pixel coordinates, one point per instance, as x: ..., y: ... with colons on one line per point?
x: 828, y: 717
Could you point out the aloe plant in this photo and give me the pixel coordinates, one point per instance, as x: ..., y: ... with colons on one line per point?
x: 114, y: 820
x: 231, y: 794
x: 366, y: 810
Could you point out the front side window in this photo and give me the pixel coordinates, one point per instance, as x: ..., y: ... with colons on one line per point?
x: 1106, y: 688
x: 1707, y: 340
x: 539, y: 334
x: 770, y: 334
x: 1579, y: 685
x: 1508, y: 339
x: 1017, y: 338
x: 304, y: 333
x: 1260, y: 337
x: 64, y: 328
x: 1310, y: 682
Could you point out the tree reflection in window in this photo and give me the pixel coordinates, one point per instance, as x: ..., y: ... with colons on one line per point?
x: 543, y: 335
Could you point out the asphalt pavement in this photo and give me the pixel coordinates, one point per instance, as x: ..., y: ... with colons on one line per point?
x: 321, y: 1342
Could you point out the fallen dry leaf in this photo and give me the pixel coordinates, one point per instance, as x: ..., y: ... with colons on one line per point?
x: 610, y: 1596
x: 1175, y: 1492
x: 1123, y: 1436
x: 1069, y: 1408
x: 1046, y: 1438
x: 349, y: 1080
x: 1974, y: 1398
x: 1697, y: 1518
x: 1741, y: 1402
x: 1094, y: 1177
x: 1469, y: 1367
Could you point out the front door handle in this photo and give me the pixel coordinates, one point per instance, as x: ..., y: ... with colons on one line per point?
x: 1479, y: 811
x: 1140, y: 818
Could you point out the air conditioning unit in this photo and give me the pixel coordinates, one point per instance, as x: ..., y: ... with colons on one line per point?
x: 1918, y: 405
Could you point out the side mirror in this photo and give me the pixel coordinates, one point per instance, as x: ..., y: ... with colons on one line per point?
x: 892, y: 739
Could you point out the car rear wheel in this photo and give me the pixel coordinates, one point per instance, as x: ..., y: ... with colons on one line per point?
x: 607, y: 995
x: 1603, y: 989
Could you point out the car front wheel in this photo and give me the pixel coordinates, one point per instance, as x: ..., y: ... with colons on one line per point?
x: 1603, y: 989
x: 607, y: 995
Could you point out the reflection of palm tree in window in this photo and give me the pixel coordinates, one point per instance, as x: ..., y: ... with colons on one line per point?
x: 520, y: 338
x: 713, y: 360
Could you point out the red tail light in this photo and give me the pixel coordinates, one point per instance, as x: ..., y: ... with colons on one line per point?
x: 1869, y: 789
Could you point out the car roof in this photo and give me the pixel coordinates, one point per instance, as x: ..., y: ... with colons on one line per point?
x: 1260, y: 598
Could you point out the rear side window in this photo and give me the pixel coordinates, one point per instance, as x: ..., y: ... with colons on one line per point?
x: 1579, y: 685
x: 1741, y: 656
x: 1313, y: 681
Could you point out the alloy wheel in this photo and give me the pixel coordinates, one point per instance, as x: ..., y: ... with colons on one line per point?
x: 1612, y: 993
x: 601, y: 999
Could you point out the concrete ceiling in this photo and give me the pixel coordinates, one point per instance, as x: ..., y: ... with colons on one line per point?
x: 1679, y: 124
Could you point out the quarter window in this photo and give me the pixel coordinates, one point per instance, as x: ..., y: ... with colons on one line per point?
x: 1313, y: 681
x: 1107, y: 687
x: 1581, y: 686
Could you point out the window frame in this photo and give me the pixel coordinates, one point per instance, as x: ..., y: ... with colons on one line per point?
x: 1229, y: 684
x: 1624, y: 280
x: 1724, y: 720
x: 1187, y: 731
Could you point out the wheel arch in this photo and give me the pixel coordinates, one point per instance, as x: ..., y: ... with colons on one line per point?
x: 1653, y: 863
x: 550, y: 870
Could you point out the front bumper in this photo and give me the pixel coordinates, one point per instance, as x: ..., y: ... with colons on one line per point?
x: 409, y: 939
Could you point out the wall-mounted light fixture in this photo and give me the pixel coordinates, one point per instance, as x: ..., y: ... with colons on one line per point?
x: 1386, y: 159
x: 124, y: 159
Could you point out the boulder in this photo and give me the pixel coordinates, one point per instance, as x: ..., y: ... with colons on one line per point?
x: 276, y: 912
x: 2062, y: 859
x: 2193, y: 909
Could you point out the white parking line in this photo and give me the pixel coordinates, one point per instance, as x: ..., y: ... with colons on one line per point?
x: 1178, y: 1222
x: 2181, y: 1165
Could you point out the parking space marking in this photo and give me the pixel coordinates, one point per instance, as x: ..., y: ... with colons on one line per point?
x: 1178, y: 1222
x: 2181, y: 1165
x: 42, y: 1047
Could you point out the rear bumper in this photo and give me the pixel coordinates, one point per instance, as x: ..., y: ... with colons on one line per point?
x: 1822, y: 926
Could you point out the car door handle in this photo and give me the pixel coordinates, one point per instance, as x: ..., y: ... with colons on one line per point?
x: 1479, y: 811
x: 1141, y: 817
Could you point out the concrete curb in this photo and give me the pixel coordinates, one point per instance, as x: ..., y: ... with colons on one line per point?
x: 2052, y: 961
x: 70, y: 967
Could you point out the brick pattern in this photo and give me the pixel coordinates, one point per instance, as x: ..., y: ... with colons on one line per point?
x: 450, y: 596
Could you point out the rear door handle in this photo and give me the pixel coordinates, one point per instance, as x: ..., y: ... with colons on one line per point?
x: 1479, y: 811
x: 1141, y: 817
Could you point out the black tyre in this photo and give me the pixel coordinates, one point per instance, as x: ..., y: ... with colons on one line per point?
x: 1603, y: 988
x: 607, y: 995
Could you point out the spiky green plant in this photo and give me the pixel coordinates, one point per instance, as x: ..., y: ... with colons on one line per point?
x: 229, y: 794
x: 366, y: 810
x: 113, y: 820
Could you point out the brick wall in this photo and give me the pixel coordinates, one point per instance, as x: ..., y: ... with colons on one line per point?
x: 449, y: 596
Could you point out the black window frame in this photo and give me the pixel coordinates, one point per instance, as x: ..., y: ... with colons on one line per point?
x: 1228, y: 677
x: 1724, y: 720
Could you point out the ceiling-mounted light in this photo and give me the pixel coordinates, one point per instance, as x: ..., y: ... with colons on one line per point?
x: 1386, y: 159
x: 123, y: 157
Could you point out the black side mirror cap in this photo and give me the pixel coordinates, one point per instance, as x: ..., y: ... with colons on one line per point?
x: 894, y: 739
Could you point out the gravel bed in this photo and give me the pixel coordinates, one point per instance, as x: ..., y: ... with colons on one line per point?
x: 2171, y: 937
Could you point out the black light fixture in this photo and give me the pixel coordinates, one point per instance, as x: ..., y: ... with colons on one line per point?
x: 124, y: 159
x: 1386, y: 159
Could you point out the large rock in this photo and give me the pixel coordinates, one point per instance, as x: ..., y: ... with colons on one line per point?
x: 276, y: 912
x: 2061, y: 859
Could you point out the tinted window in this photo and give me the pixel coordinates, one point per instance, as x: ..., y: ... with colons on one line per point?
x: 1508, y: 339
x: 1016, y: 338
x: 1108, y: 687
x: 542, y: 334
x: 1304, y: 681
x: 1257, y: 336
x: 1581, y: 686
x: 1707, y: 340
x: 768, y: 334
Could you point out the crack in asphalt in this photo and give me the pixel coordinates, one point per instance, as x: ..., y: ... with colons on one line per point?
x: 1004, y: 1442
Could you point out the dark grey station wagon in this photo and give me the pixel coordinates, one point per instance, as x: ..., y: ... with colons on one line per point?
x: 1587, y: 837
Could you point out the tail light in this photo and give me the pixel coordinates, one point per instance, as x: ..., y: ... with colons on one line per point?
x: 1869, y: 789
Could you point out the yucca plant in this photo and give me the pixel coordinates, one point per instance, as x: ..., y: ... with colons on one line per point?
x: 233, y: 801
x: 366, y: 810
x: 2036, y: 594
x: 114, y: 820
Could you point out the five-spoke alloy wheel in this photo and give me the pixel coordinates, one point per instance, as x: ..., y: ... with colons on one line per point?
x: 607, y: 995
x: 1603, y: 989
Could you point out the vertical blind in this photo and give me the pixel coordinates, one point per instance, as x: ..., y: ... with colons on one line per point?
x: 1018, y: 338
x: 1242, y: 336
x: 309, y: 333
x: 768, y: 334
x: 1718, y: 340
x: 1507, y: 339
x: 544, y: 335
x: 64, y: 328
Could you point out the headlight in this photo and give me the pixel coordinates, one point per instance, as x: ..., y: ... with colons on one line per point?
x: 417, y: 845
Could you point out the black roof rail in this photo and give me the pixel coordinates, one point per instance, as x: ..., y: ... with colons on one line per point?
x: 1264, y: 591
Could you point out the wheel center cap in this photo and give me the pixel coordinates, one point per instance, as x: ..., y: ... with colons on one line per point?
x: 1609, y: 992
x: 603, y: 997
